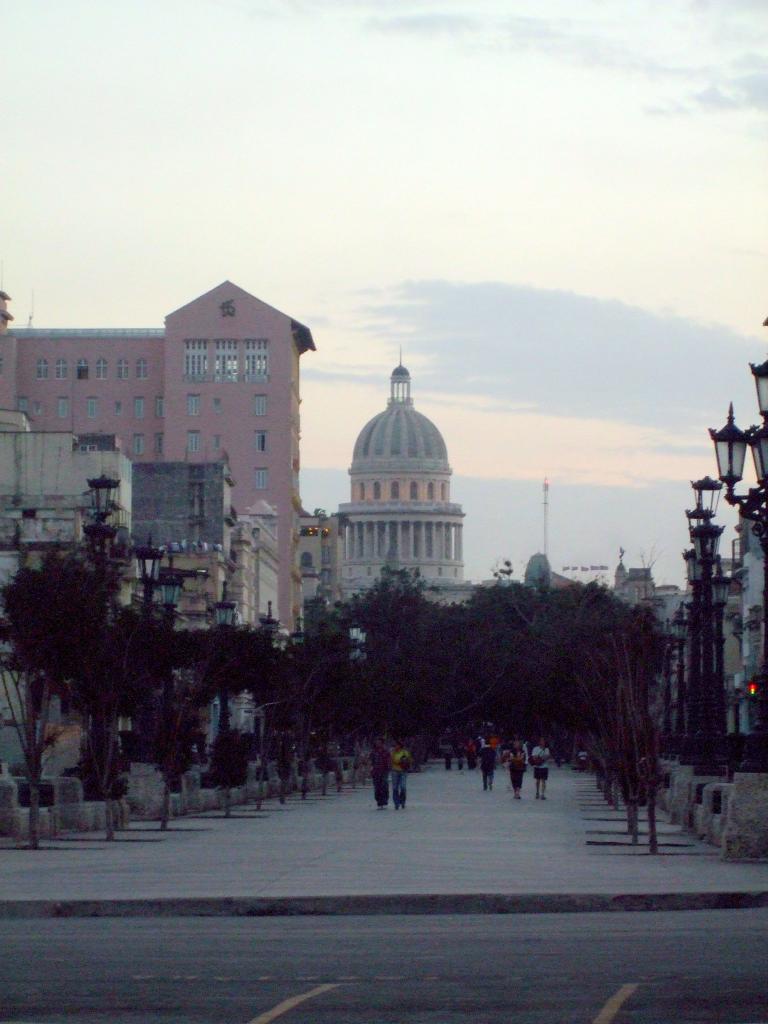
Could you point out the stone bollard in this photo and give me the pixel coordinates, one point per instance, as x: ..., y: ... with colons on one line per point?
x: 745, y: 836
x: 68, y: 803
x: 145, y: 791
x: 679, y: 794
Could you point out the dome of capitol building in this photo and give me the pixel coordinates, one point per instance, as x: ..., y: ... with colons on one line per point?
x: 400, y: 511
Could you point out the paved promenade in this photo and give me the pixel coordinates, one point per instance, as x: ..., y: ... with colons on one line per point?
x: 452, y: 838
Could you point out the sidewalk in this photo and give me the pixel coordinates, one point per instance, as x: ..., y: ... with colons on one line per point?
x: 451, y: 839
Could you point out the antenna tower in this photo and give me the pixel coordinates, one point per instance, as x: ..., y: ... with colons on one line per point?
x: 546, y: 517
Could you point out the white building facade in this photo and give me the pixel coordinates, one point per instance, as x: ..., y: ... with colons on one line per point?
x: 400, y: 512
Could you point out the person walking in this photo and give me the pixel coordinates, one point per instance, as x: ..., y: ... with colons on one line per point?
x: 381, y: 762
x: 446, y: 749
x: 401, y: 762
x: 458, y: 749
x: 540, y: 758
x: 471, y: 755
x: 517, y: 762
x: 487, y: 765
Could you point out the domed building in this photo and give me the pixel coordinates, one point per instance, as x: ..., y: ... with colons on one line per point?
x: 400, y: 513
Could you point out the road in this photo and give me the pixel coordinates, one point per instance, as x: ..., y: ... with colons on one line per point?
x: 533, y: 969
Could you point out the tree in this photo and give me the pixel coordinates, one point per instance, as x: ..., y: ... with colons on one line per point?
x: 222, y: 661
x: 64, y: 636
x: 26, y: 662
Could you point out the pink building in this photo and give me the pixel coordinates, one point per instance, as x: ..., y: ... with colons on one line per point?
x: 221, y: 381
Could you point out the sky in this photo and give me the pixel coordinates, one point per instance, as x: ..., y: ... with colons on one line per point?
x: 557, y: 209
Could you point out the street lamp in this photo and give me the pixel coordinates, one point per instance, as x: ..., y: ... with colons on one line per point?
x: 224, y: 616
x: 148, y: 559
x: 171, y: 585
x: 103, y: 490
x: 730, y: 449
x: 706, y: 724
x: 679, y: 627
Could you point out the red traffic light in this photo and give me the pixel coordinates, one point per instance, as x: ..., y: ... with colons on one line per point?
x: 752, y: 688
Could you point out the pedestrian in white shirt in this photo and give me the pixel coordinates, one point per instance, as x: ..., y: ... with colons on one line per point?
x: 540, y: 758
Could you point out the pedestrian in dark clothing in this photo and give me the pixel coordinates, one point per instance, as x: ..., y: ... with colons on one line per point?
x: 487, y: 765
x: 517, y: 762
x: 471, y: 755
x: 459, y: 750
x: 381, y: 762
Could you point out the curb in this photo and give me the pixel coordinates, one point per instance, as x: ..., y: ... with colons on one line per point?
x: 463, y: 903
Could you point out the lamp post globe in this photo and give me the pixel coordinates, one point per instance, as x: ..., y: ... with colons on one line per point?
x: 730, y: 451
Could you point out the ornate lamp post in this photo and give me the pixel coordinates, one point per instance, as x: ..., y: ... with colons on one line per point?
x: 707, y: 753
x: 148, y: 559
x: 103, y: 490
x: 679, y: 631
x: 224, y: 614
x: 693, y: 645
x: 730, y: 449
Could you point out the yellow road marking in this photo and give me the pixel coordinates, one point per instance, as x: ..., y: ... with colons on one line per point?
x: 614, y: 1004
x: 289, y: 1004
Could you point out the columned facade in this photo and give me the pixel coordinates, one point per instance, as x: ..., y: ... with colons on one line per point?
x: 400, y: 513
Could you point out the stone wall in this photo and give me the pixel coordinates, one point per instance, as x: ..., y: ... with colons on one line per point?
x: 69, y: 812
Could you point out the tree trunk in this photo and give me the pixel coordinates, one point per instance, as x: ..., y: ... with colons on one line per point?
x: 324, y: 773
x: 34, y: 814
x: 653, y: 842
x: 110, y: 821
x: 282, y: 790
x: 260, y: 788
x: 632, y: 820
x: 227, y: 802
x: 165, y: 812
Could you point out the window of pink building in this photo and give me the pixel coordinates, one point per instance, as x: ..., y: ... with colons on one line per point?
x: 158, y: 444
x: 91, y: 408
x: 62, y: 407
x: 138, y: 408
x: 377, y: 490
x: 414, y: 490
x: 193, y: 440
x: 159, y: 406
x: 193, y: 405
x: 216, y: 442
x: 225, y: 367
x: 431, y: 492
x: 82, y: 369
x: 260, y: 478
x: 256, y: 358
x: 260, y: 405
x: 138, y: 444
x: 118, y: 408
x: 122, y: 369
x: 142, y: 370
x: 395, y: 489
x: 260, y: 439
x: 101, y: 369
x: 61, y: 369
x: 42, y: 369
x: 195, y: 358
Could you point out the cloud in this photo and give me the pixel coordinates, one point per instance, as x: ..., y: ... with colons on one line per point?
x: 566, y: 354
x: 738, y: 92
x: 426, y: 24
